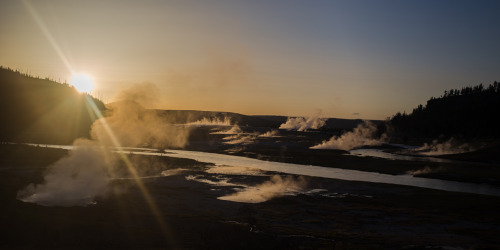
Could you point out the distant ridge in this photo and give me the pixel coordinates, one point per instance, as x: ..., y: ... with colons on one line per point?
x: 271, y: 121
x: 189, y: 116
x: 42, y: 110
x: 331, y: 123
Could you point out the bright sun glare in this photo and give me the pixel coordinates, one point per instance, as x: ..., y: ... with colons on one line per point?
x: 83, y: 83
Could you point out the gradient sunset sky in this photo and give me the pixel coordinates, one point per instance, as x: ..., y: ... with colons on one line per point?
x: 346, y: 59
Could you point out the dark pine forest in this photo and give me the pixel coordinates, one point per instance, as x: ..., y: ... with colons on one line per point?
x: 42, y: 110
x: 470, y: 112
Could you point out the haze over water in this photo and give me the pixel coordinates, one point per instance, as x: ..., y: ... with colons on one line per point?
x: 315, y: 171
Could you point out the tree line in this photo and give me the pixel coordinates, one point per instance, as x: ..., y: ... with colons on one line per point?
x: 470, y: 112
x: 41, y: 110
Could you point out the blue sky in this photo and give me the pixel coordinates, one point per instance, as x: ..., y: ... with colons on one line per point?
x: 334, y: 58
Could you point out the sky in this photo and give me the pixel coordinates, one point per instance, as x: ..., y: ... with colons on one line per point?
x: 346, y: 59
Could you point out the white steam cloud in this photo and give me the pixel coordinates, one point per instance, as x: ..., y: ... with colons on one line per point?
x: 135, y: 126
x: 232, y: 131
x: 270, y: 133
x: 273, y: 188
x: 450, y: 146
x: 211, y: 122
x: 303, y: 124
x: 236, y: 136
x: 362, y: 135
x: 76, y: 180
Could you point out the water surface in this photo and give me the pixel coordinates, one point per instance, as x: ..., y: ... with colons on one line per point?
x: 316, y: 171
x: 379, y: 153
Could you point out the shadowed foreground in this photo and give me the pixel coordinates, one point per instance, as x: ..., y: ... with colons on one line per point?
x: 349, y: 215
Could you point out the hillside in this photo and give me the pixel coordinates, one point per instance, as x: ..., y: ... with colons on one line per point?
x: 269, y: 121
x: 471, y: 112
x: 42, y: 110
x: 331, y: 123
x: 189, y: 116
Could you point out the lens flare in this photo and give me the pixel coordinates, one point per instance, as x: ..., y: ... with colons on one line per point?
x: 83, y: 83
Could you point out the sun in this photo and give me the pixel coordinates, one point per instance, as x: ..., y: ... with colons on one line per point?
x: 83, y: 83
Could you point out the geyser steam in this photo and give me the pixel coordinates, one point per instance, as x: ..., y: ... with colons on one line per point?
x: 232, y: 131
x: 450, y: 146
x: 211, y: 122
x: 74, y: 180
x: 303, y: 124
x: 134, y: 126
x: 86, y: 172
x: 273, y: 188
x: 270, y: 133
x: 362, y: 135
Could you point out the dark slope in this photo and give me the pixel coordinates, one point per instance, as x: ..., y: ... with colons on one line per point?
x: 269, y: 121
x: 471, y: 112
x: 41, y: 110
x: 331, y: 123
x: 187, y: 116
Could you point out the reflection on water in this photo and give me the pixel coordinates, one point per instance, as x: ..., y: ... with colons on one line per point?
x: 316, y: 171
x: 67, y: 147
x: 379, y: 153
x: 337, y: 173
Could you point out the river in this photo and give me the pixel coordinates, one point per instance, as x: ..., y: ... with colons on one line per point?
x: 316, y: 171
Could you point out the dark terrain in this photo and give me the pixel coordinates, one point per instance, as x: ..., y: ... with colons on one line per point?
x: 42, y: 110
x: 482, y: 166
x: 183, y: 213
x: 346, y: 215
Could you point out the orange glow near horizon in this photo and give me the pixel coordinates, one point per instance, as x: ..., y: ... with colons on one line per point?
x: 82, y: 82
x: 354, y: 60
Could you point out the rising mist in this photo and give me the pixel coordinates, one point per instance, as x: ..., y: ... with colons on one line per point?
x: 76, y: 180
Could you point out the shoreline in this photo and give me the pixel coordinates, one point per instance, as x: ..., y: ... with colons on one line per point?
x: 460, y: 171
x: 349, y: 214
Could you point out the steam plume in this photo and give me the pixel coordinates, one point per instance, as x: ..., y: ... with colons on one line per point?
x: 145, y: 94
x: 86, y: 172
x: 237, y: 136
x: 232, y: 131
x: 74, y: 180
x: 362, y: 135
x: 450, y: 146
x: 212, y: 122
x: 270, y: 133
x: 135, y: 126
x: 303, y: 124
x: 273, y: 188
